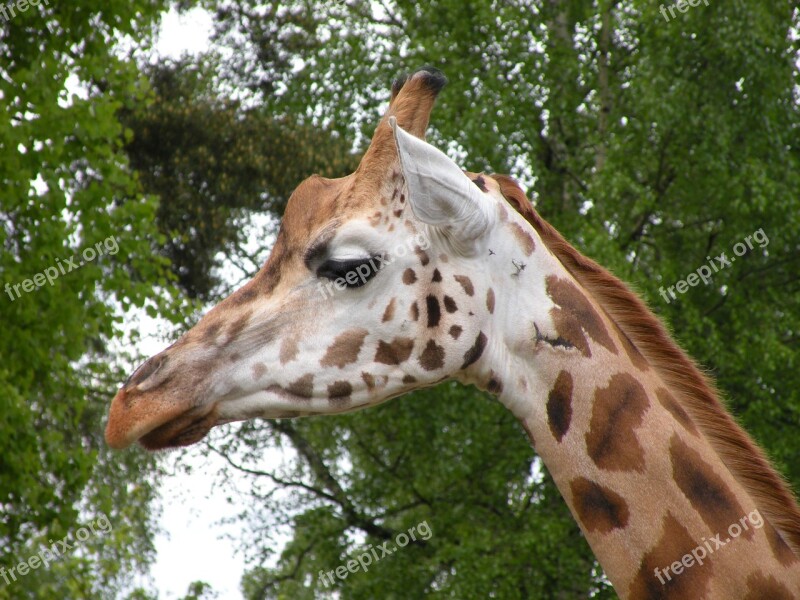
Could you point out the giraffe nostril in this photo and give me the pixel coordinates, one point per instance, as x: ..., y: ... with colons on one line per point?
x: 145, y: 371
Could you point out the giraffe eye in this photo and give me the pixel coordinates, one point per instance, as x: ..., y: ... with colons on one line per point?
x: 353, y: 272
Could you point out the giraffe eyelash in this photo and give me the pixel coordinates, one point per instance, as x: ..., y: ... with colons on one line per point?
x: 351, y: 270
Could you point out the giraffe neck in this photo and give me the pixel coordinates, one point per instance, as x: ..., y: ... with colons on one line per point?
x: 662, y: 512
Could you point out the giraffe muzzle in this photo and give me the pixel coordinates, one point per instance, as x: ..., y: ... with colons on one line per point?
x: 156, y: 423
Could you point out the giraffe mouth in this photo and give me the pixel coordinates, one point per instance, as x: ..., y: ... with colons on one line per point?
x: 157, y: 425
x: 185, y: 430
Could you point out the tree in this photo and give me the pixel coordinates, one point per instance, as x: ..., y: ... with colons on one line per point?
x: 213, y: 161
x: 75, y: 252
x: 651, y: 143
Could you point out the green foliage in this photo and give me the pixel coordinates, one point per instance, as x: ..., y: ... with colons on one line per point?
x: 650, y: 144
x: 212, y: 160
x: 64, y: 187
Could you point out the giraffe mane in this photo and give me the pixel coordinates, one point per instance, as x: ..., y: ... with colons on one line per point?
x: 746, y: 461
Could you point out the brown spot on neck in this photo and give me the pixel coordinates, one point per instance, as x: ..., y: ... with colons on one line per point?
x: 780, y: 549
x: 706, y: 490
x: 669, y: 402
x: 675, y: 542
x: 766, y: 587
x: 617, y: 412
x: 524, y: 239
x: 559, y: 406
x: 574, y: 315
x: 475, y: 352
x: 598, y: 508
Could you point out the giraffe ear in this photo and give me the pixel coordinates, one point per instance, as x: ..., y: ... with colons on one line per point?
x: 439, y: 192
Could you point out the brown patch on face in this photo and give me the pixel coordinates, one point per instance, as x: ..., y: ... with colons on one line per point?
x: 494, y: 385
x: 303, y: 387
x: 559, y: 406
x: 766, y: 587
x: 368, y: 379
x: 654, y: 582
x: 669, y: 402
x: 388, y: 313
x: 490, y: 301
x: 422, y: 255
x: 475, y: 352
x: 524, y: 238
x: 466, y: 283
x: 443, y: 258
x: 395, y: 352
x: 501, y: 210
x: 398, y: 213
x: 705, y: 490
x: 345, y: 349
x: 413, y: 311
x: 455, y: 331
x: 617, y: 412
x: 437, y: 277
x: 258, y: 370
x: 450, y: 305
x: 481, y: 183
x: 289, y: 350
x: 409, y: 277
x: 599, y: 508
x: 432, y: 357
x: 575, y: 315
x: 238, y: 325
x: 209, y: 334
x: 434, y: 310
x: 375, y: 219
x: 779, y: 546
x: 408, y: 379
x: 339, y: 392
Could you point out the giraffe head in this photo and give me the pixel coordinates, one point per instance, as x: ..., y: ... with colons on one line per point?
x: 379, y: 283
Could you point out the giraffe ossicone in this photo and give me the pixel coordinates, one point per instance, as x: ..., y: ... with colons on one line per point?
x: 634, y: 435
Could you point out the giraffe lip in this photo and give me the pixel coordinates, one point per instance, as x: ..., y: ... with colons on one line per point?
x: 183, y: 430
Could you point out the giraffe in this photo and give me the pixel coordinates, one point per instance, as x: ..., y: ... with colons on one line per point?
x: 411, y: 271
